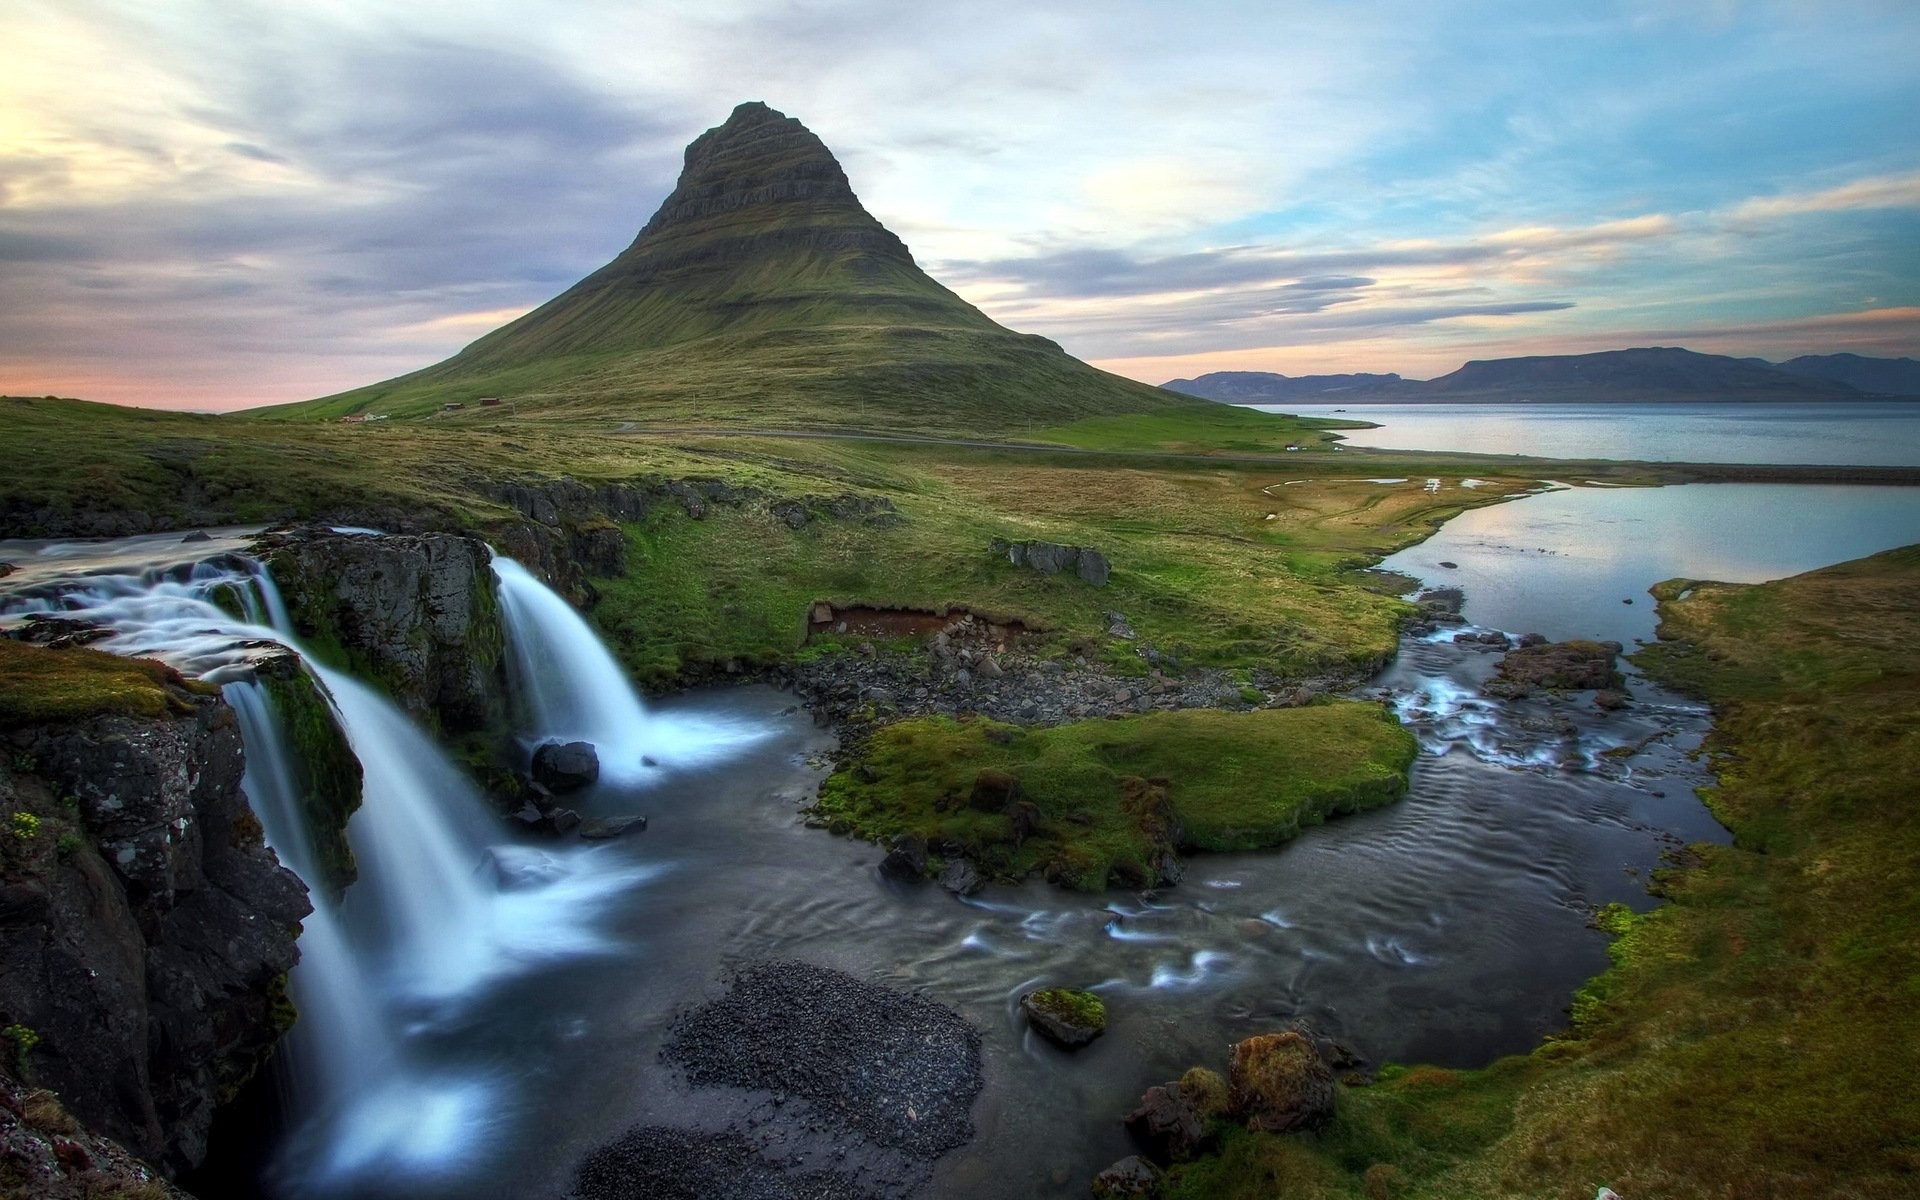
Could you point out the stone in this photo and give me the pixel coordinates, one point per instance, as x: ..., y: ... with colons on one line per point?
x: 1277, y: 1082
x: 198, y: 535
x: 1451, y: 566
x: 563, y: 820
x: 961, y: 878
x: 822, y: 613
x: 1610, y: 699
x: 1576, y: 665
x: 907, y: 861
x: 1093, y: 566
x: 565, y: 766
x: 792, y: 513
x: 599, y: 829
x: 1132, y: 1178
x: 1167, y: 1125
x: 989, y: 667
x: 1066, y: 1017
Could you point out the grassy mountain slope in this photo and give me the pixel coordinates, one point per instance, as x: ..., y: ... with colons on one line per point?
x: 762, y: 295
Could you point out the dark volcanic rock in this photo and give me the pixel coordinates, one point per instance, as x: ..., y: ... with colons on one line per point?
x: 148, y: 951
x: 565, y: 766
x: 1169, y: 1125
x: 907, y: 861
x: 1278, y: 1083
x: 888, y: 1068
x: 418, y: 613
x: 1050, y: 558
x: 1555, y: 666
x: 961, y: 878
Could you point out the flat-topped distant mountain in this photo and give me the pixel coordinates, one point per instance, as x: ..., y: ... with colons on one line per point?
x: 1264, y: 387
x: 1651, y: 374
x: 760, y: 295
x: 1881, y: 376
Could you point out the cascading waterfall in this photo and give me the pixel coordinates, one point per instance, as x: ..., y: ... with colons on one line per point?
x: 444, y: 904
x: 566, y: 683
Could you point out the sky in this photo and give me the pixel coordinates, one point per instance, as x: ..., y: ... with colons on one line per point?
x: 211, y: 204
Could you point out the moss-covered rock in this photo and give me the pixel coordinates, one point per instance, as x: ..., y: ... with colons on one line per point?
x: 1278, y: 1083
x: 327, y: 775
x: 1064, y: 1016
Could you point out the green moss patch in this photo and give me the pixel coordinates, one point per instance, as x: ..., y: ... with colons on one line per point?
x: 327, y: 773
x: 1098, y: 802
x: 1083, y: 1010
x: 40, y: 684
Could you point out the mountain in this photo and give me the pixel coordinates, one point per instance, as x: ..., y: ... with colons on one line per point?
x: 761, y: 294
x: 1647, y: 375
x: 1266, y: 387
x: 1878, y: 376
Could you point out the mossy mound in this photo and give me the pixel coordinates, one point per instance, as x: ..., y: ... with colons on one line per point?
x: 41, y: 684
x: 1065, y: 1016
x: 1106, y: 802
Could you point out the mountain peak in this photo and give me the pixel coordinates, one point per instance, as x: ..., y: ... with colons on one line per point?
x: 761, y: 167
x: 763, y: 285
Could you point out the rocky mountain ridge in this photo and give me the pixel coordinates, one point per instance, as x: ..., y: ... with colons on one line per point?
x: 1643, y: 375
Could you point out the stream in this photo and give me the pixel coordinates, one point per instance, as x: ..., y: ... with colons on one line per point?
x: 483, y: 1008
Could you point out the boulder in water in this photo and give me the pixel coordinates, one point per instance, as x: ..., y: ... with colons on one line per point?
x: 198, y: 535
x: 961, y: 878
x: 600, y: 829
x: 1066, y: 1017
x: 1170, y: 1124
x: 907, y: 861
x: 565, y: 766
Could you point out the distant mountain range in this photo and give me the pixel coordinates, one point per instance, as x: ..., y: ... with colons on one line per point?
x: 1650, y: 374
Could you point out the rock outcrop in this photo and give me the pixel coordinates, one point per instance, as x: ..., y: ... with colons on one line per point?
x: 145, y: 928
x: 1050, y: 558
x: 47, y: 1155
x: 418, y: 614
x: 1278, y: 1083
x: 1571, y: 666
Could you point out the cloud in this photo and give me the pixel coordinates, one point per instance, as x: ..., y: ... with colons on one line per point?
x: 1875, y: 192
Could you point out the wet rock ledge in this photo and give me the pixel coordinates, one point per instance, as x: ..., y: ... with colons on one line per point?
x: 145, y: 928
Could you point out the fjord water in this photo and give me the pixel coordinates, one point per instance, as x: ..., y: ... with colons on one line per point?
x: 1868, y: 433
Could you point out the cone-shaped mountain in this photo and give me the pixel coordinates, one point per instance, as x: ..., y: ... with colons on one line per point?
x: 762, y: 294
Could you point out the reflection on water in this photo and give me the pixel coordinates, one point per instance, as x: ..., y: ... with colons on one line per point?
x: 1883, y: 433
x: 1561, y: 563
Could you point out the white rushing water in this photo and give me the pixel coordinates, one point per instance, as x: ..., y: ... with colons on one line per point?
x: 446, y: 904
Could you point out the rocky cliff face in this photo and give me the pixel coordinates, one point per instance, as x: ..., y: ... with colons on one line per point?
x: 145, y: 928
x: 417, y: 613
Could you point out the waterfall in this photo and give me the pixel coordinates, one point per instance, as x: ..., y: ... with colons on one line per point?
x: 567, y: 684
x: 569, y: 687
x: 445, y: 904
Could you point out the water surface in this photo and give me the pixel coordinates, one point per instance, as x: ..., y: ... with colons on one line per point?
x: 1875, y: 433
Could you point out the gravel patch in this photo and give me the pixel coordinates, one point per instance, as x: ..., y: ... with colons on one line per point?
x: 897, y: 1069
x: 657, y: 1163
